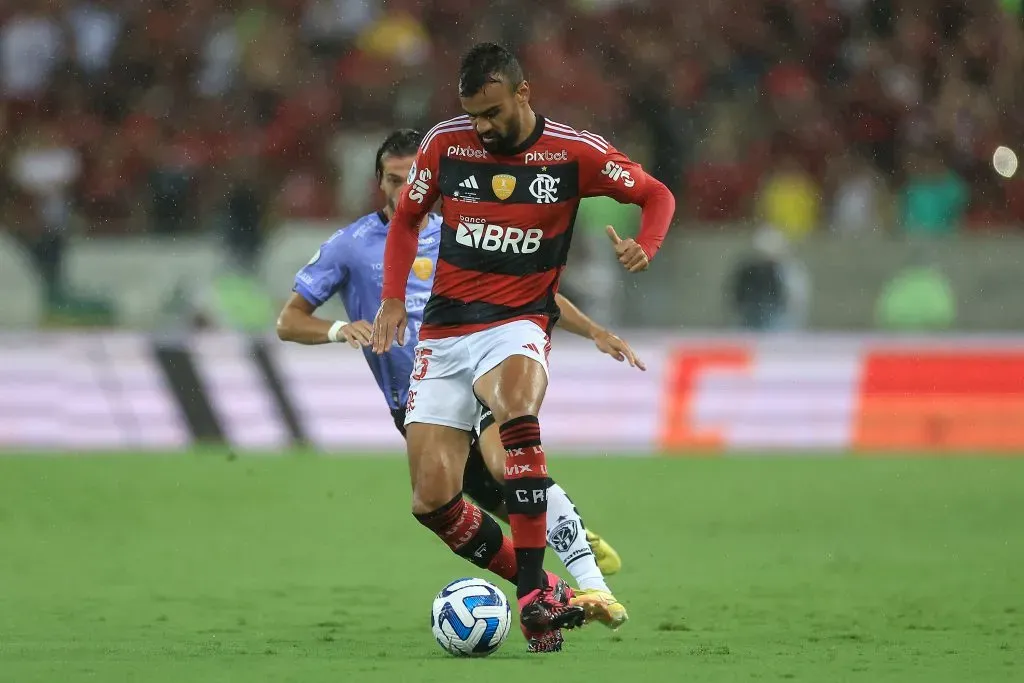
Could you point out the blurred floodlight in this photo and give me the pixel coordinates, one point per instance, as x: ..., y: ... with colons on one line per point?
x: 1004, y: 160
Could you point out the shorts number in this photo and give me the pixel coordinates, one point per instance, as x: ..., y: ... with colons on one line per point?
x: 421, y: 363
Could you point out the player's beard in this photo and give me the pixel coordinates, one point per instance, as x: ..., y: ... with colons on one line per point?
x: 502, y: 144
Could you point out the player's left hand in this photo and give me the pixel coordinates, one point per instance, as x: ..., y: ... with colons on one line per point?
x: 617, y: 348
x: 389, y: 325
x: 358, y: 333
x: 631, y: 255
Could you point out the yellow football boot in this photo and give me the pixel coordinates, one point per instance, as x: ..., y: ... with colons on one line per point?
x: 601, y: 606
x: 608, y: 561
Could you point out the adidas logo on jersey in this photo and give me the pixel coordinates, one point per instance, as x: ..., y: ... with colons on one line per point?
x: 470, y: 183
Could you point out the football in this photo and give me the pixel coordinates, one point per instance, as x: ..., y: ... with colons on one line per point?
x: 470, y: 618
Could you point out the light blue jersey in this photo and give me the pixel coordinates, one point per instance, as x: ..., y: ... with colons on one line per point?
x: 350, y: 264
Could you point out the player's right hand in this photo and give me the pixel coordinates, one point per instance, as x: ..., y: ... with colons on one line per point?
x: 358, y: 333
x: 389, y: 325
x: 630, y: 254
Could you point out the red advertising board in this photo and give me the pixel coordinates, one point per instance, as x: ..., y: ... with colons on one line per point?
x: 941, y: 400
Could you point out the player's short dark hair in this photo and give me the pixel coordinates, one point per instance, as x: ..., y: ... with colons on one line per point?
x: 488, y: 63
x: 402, y: 143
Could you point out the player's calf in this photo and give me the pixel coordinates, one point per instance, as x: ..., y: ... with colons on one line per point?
x: 436, y: 461
x: 486, y: 489
x: 526, y: 487
x: 568, y: 538
x: 472, y: 534
x: 514, y: 389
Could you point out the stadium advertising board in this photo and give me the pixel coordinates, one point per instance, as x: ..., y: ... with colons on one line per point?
x: 816, y: 394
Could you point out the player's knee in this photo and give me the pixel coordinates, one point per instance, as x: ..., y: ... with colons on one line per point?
x: 435, y: 469
x: 430, y: 493
x: 434, y: 485
x: 426, y: 501
x: 516, y: 401
x: 519, y: 390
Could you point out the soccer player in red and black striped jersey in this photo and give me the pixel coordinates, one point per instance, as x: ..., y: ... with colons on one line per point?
x: 510, y: 182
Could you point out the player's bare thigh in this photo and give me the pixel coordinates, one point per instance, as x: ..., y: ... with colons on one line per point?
x: 513, y: 388
x: 437, y: 460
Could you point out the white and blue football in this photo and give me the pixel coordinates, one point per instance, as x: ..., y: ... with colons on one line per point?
x: 470, y: 618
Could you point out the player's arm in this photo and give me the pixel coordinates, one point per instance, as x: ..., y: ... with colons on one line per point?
x: 573, y: 320
x: 317, y: 281
x: 607, y: 171
x: 296, y: 323
x: 403, y: 234
x: 402, y: 243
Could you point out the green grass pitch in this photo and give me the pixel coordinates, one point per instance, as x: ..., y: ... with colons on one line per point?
x: 200, y: 568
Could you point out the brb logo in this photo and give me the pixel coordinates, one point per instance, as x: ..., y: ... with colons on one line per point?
x: 478, y: 235
x: 546, y: 157
x: 419, y: 183
x: 544, y: 188
x: 616, y: 172
x: 467, y: 152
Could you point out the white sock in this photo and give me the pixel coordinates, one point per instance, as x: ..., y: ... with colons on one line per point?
x: 568, y: 538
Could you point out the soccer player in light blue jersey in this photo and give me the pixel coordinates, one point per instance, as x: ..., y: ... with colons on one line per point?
x: 349, y: 265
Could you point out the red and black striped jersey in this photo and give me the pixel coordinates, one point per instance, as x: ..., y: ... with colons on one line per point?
x: 507, y: 220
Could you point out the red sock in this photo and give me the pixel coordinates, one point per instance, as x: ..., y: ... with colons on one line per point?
x: 504, y: 561
x: 474, y: 535
x: 526, y: 496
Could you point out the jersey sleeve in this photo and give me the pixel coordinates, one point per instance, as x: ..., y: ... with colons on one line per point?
x: 420, y: 193
x: 325, y: 274
x: 605, y: 171
x: 422, y: 189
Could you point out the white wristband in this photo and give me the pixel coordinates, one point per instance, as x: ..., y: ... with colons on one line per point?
x: 332, y: 334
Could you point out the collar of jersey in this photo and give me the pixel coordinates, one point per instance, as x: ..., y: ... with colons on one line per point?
x: 426, y: 232
x: 529, y: 142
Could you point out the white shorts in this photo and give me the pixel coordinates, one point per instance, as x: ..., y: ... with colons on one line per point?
x: 445, y: 370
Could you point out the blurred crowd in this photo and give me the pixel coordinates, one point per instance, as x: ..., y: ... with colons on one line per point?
x: 173, y: 116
